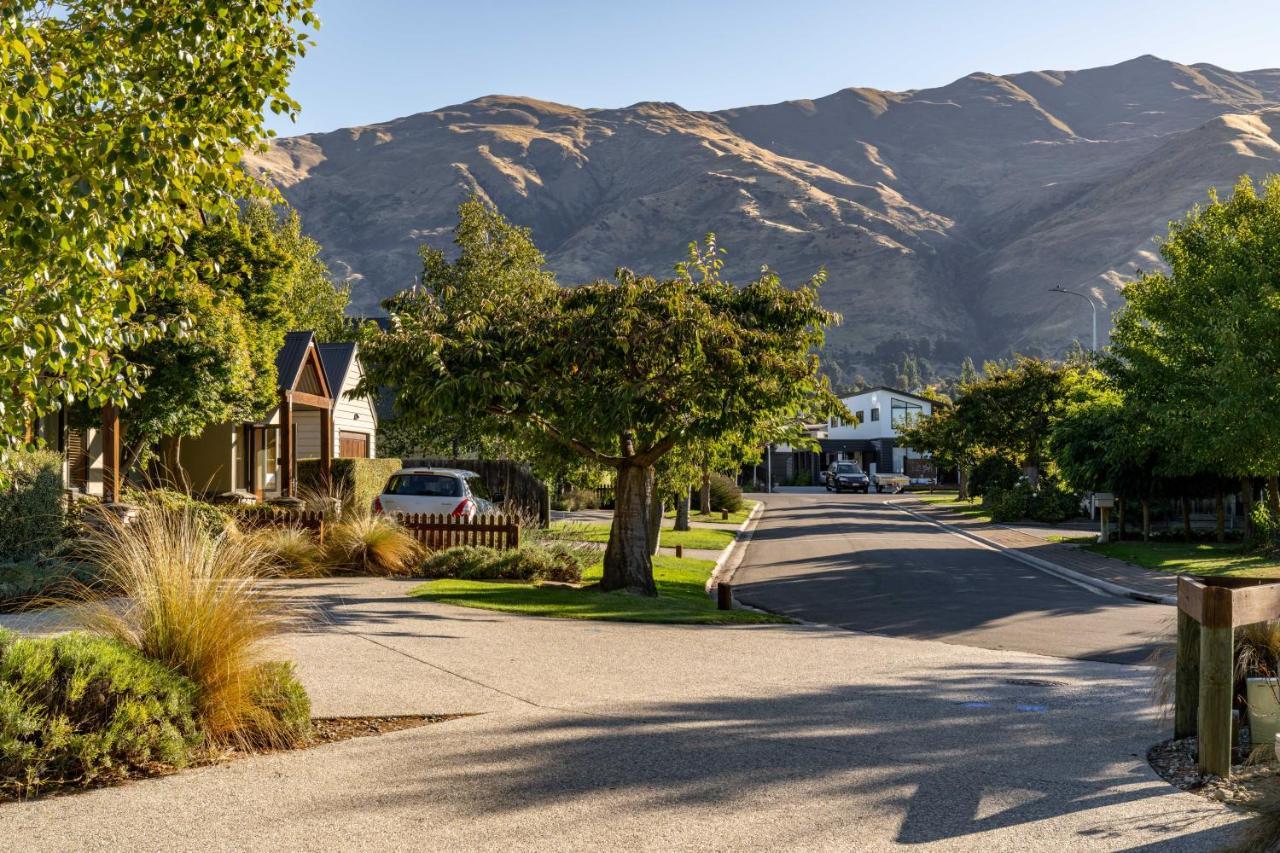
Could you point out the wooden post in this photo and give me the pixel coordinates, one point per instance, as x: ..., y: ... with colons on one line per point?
x: 326, y: 451
x: 1216, y: 682
x: 724, y: 596
x: 285, y: 445
x: 110, y: 454
x: 1104, y: 535
x: 679, y: 551
x: 724, y: 515
x: 1186, y: 692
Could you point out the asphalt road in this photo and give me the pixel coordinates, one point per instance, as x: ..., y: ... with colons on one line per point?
x: 857, y: 562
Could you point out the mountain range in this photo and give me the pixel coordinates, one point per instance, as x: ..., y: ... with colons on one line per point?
x: 942, y: 216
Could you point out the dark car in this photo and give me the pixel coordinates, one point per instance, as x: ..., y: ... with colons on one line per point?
x: 847, y: 476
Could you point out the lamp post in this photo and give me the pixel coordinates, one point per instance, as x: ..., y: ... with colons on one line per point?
x: 1092, y: 305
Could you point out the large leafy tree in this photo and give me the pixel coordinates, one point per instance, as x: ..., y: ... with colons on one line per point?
x: 1010, y: 409
x: 618, y: 372
x: 1198, y: 347
x: 117, y: 122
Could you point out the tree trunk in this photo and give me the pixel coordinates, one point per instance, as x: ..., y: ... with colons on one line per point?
x: 704, y: 499
x: 628, y: 562
x: 1220, y: 530
x: 682, y: 509
x: 1246, y: 499
x: 1120, y: 518
x: 1186, y: 518
x: 962, y: 478
x: 1273, y: 496
x: 1146, y: 520
x: 657, y: 507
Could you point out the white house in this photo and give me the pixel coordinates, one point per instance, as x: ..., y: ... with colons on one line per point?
x: 870, y: 438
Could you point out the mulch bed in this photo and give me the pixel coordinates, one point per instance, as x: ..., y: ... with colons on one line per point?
x: 1255, y: 773
x: 324, y: 730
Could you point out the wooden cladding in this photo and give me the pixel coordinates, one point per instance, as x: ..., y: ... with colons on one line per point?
x: 433, y: 532
x: 353, y: 445
x: 1228, y: 603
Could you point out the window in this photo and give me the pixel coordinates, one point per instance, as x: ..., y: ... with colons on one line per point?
x: 862, y: 418
x: 875, y: 413
x: 903, y: 411
x: 424, y: 485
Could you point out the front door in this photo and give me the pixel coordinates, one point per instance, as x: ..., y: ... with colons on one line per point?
x: 265, y: 449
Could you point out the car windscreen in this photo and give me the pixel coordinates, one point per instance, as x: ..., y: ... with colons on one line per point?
x: 424, y: 485
x: 848, y: 468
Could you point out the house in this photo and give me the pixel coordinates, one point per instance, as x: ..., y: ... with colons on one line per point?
x: 91, y: 451
x: 316, y: 418
x: 870, y: 438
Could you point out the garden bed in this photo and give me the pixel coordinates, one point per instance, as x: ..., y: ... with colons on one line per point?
x: 1253, y: 779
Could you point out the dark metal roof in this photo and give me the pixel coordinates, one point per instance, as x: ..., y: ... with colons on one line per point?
x: 835, y: 445
x: 336, y: 359
x: 289, y: 359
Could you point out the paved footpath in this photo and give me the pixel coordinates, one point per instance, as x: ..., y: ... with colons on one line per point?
x: 609, y: 736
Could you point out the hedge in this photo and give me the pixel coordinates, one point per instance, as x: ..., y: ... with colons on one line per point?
x: 359, y: 480
x: 31, y: 508
x: 76, y: 709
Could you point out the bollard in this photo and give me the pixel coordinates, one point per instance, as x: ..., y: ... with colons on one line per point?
x: 724, y: 515
x: 724, y: 596
x: 679, y: 551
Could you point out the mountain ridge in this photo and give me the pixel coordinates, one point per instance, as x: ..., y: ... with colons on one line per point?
x: 941, y: 214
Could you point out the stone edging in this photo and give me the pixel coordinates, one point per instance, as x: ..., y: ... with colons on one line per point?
x: 1062, y: 572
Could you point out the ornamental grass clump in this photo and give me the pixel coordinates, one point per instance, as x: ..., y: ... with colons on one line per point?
x: 191, y: 598
x: 364, y: 543
x: 290, y: 552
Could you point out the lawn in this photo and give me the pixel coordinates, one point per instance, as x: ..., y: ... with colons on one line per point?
x: 698, y: 537
x: 681, y: 598
x: 1197, y: 558
x: 735, y: 518
x: 949, y: 502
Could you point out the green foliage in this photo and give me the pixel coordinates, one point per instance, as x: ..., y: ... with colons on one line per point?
x: 619, y: 372
x: 1198, y: 348
x: 21, y: 582
x: 1010, y: 409
x: 359, y: 481
x: 77, y: 709
x: 216, y: 519
x: 311, y: 298
x: 117, y: 121
x: 31, y: 504
x: 725, y: 494
x: 532, y: 562
x: 1264, y: 530
x: 1051, y: 502
x: 995, y: 473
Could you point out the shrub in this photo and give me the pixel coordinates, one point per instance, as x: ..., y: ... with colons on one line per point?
x: 371, y: 544
x: 76, y: 709
x: 1264, y: 529
x: 282, y: 717
x: 553, y: 563
x: 289, y: 551
x: 216, y: 518
x: 31, y: 508
x: 1051, y: 502
x: 725, y: 494
x: 995, y: 473
x: 38, y: 577
x: 358, y: 481
x: 191, y: 601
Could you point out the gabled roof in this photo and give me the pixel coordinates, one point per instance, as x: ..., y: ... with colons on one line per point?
x: 897, y: 391
x: 337, y: 359
x: 290, y: 358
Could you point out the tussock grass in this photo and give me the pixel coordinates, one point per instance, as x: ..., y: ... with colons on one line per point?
x: 289, y: 551
x: 190, y: 598
x: 372, y: 544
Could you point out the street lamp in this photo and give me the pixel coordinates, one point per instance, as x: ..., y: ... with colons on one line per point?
x: 1092, y: 304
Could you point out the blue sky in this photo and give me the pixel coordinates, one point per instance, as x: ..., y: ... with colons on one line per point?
x: 380, y: 59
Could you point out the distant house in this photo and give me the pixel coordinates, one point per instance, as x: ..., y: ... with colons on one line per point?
x: 316, y: 418
x: 869, y: 439
x: 91, y: 452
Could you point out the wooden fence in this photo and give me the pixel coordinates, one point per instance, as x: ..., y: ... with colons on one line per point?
x: 433, y: 532
x: 1209, y: 611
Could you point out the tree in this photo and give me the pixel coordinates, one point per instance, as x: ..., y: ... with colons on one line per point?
x: 1198, y: 347
x: 117, y: 122
x: 1011, y: 408
x: 619, y: 372
x: 947, y: 439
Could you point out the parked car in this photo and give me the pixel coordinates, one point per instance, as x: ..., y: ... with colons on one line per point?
x: 438, y: 491
x: 842, y: 476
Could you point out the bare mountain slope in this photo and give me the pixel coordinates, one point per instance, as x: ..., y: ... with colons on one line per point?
x: 941, y: 215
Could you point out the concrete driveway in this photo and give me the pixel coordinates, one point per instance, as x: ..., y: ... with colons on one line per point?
x: 857, y: 562
x: 605, y: 736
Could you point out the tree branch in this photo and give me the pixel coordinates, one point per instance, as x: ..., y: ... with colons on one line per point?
x: 572, y: 443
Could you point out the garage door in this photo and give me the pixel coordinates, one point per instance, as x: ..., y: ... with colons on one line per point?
x: 353, y: 445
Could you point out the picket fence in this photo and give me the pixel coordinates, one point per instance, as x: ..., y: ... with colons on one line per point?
x: 432, y: 531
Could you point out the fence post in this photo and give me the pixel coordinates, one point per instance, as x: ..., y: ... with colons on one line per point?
x: 1216, y: 682
x: 513, y: 532
x: 724, y: 596
x: 1186, y: 693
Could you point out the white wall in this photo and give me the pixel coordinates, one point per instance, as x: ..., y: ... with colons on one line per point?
x: 354, y: 414
x: 864, y: 403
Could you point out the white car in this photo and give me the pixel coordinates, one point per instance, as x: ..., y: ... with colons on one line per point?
x: 437, y: 491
